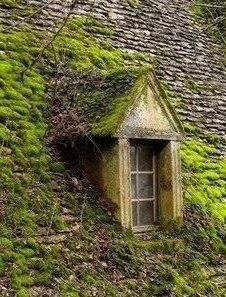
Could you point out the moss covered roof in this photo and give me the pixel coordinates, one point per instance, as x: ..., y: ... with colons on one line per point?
x: 100, y: 102
x: 96, y: 102
x: 119, y: 102
x: 92, y: 89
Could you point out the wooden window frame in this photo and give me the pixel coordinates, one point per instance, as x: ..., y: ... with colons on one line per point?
x: 153, y: 172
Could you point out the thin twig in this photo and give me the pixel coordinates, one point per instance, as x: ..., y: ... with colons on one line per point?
x: 52, y: 39
x: 29, y: 16
x: 215, y: 22
x: 51, y: 220
x: 221, y: 35
x: 84, y: 204
x: 94, y: 144
x: 210, y: 5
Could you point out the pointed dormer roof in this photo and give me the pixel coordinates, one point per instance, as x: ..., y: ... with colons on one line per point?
x: 144, y: 112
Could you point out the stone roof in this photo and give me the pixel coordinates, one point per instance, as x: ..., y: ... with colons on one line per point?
x: 188, y: 59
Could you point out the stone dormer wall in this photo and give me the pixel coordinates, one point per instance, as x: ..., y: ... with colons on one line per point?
x: 188, y: 59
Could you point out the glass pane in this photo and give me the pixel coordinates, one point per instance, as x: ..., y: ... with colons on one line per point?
x: 146, y: 212
x: 145, y: 158
x: 134, y: 213
x: 133, y: 186
x: 145, y: 185
x: 133, y: 158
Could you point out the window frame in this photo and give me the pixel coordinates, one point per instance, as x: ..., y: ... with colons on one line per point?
x: 153, y: 173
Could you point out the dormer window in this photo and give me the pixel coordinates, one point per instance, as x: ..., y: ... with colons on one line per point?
x: 143, y: 186
x: 136, y: 156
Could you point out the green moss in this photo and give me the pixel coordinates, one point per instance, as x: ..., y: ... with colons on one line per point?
x: 70, y: 290
x: 8, y: 113
x: 182, y: 287
x: 192, y: 85
x: 132, y: 3
x: 213, y: 13
x: 12, y: 3
x: 24, y: 280
x: 89, y: 278
x: 57, y: 167
x: 84, y: 52
x: 4, y: 133
x: 206, y: 179
x: 197, y: 9
x: 5, y: 243
x: 23, y: 292
x: 117, y: 109
x: 59, y: 224
x: 27, y: 252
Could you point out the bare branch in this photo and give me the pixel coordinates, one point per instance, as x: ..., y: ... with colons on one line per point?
x: 84, y: 205
x: 29, y: 16
x: 221, y: 35
x: 94, y: 144
x: 215, y: 22
x: 210, y: 5
x: 52, y: 39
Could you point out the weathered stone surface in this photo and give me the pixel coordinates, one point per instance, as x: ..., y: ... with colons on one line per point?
x: 149, y: 117
x: 66, y: 211
x: 42, y: 291
x: 217, y: 273
x: 220, y: 280
x: 170, y: 195
x: 53, y: 238
x: 69, y: 218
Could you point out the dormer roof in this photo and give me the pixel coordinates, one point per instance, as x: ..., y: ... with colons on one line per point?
x: 144, y: 112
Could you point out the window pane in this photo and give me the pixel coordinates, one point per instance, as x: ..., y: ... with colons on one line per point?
x: 145, y: 185
x: 134, y: 213
x: 133, y: 186
x: 145, y: 158
x: 133, y: 158
x: 146, y: 212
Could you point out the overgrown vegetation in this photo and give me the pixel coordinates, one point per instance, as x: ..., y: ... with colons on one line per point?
x: 98, y: 100
x: 100, y: 259
x: 215, y: 13
x: 171, y: 261
x: 25, y: 171
x: 205, y: 186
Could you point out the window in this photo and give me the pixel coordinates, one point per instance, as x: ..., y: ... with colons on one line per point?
x: 143, y: 186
